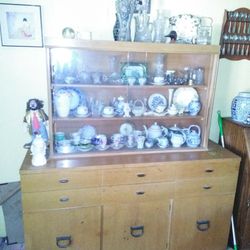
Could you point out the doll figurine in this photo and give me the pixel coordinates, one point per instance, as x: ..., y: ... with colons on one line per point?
x: 36, y: 120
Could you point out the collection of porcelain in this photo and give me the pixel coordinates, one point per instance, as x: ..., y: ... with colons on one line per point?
x: 157, y: 136
x: 72, y: 102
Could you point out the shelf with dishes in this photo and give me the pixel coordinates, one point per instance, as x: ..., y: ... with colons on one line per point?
x: 129, y: 98
x: 126, y: 136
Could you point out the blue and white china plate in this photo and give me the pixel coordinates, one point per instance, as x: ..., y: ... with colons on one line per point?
x: 183, y: 96
x: 87, y: 132
x: 126, y: 129
x: 155, y: 100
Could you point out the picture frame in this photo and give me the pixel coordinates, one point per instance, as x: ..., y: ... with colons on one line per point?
x: 21, y: 25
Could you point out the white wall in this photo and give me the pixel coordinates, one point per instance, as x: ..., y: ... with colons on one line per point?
x: 23, y: 71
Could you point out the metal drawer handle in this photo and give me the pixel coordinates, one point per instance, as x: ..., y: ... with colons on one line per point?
x: 141, y: 175
x: 63, y: 181
x: 137, y: 231
x: 202, y: 225
x: 140, y: 192
x: 207, y: 187
x: 209, y: 170
x: 64, y: 199
x: 63, y: 241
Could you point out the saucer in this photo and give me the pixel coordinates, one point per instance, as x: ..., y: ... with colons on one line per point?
x: 117, y: 147
x: 108, y: 116
x: 82, y: 115
x: 85, y: 148
x: 102, y: 148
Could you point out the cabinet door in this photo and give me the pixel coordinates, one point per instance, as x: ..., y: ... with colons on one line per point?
x: 201, y: 222
x: 74, y: 229
x: 139, y: 226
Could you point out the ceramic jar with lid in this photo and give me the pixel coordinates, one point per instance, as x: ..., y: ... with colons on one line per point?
x: 240, y: 108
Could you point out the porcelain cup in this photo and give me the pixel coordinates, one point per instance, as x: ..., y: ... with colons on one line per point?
x: 82, y: 110
x: 76, y: 137
x: 130, y: 140
x: 116, y: 139
x: 102, y: 140
x: 108, y: 110
x: 131, y: 80
x: 140, y: 141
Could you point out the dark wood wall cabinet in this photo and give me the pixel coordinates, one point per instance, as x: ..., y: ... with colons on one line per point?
x: 237, y: 139
x: 235, y: 35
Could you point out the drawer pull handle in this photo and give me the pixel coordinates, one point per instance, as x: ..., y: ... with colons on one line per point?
x: 202, y: 225
x: 140, y: 192
x: 63, y: 181
x: 141, y: 175
x: 207, y: 187
x: 64, y: 199
x: 63, y: 241
x: 137, y: 231
x: 209, y: 170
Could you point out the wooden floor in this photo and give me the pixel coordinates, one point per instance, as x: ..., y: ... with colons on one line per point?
x: 12, y: 247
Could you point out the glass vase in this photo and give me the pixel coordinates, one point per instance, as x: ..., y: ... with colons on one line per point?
x: 124, y: 10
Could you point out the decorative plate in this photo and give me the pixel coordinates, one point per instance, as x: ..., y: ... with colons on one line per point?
x: 155, y: 100
x: 183, y: 96
x: 87, y: 132
x: 186, y: 27
x: 126, y: 129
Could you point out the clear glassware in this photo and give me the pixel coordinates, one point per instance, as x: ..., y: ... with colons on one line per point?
x: 124, y: 10
x: 160, y: 25
x: 143, y: 28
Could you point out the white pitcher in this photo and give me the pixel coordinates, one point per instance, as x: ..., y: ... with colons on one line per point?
x: 62, y: 104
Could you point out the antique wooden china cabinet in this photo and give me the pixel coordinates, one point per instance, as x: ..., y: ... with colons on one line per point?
x: 132, y: 168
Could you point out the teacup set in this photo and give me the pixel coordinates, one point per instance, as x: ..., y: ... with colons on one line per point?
x: 155, y: 135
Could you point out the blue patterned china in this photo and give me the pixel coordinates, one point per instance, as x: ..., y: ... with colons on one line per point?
x: 87, y: 132
x: 194, y: 106
x: 240, y: 108
x: 193, y: 136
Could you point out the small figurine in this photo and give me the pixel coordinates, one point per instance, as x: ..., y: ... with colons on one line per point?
x: 36, y: 120
x: 126, y: 110
x: 38, y: 150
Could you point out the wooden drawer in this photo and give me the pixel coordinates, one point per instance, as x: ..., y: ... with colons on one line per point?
x: 205, y: 186
x: 198, y: 169
x: 61, y: 199
x: 140, y: 193
x: 60, y: 180
x: 132, y: 175
x: 71, y: 229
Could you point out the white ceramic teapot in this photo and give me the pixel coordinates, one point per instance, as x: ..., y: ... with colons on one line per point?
x: 177, y: 136
x: 155, y: 131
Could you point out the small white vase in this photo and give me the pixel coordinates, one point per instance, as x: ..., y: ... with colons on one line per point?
x: 62, y: 105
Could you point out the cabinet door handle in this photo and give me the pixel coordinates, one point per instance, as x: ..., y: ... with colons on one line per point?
x: 137, y: 231
x: 63, y: 181
x: 202, y: 225
x: 64, y: 199
x: 63, y: 241
x: 209, y: 170
x: 207, y: 187
x: 141, y: 175
x: 140, y: 192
